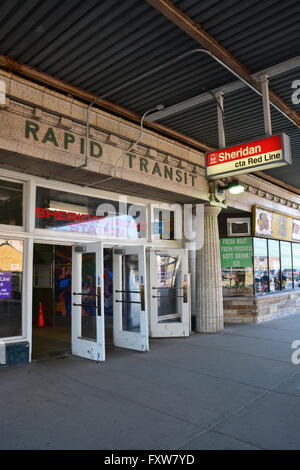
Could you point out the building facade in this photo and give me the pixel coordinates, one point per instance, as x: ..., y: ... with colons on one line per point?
x: 100, y: 245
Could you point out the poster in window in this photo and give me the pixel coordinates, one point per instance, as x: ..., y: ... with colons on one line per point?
x: 296, y: 230
x: 5, y: 285
x: 237, y: 266
x: 263, y: 222
x: 276, y: 225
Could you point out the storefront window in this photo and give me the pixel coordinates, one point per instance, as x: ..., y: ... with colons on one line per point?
x: 11, y: 203
x: 286, y: 273
x: 274, y: 265
x: 59, y: 210
x: 261, y: 267
x: 237, y: 266
x: 296, y: 264
x: 11, y: 275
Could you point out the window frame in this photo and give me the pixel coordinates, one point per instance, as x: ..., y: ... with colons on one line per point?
x: 294, y: 245
x: 268, y: 267
x: 292, y: 265
x: 105, y: 196
x: 26, y: 295
x: 23, y: 183
x: 279, y: 251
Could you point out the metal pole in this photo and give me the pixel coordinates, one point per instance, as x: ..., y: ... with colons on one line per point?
x: 264, y: 79
x: 221, y: 129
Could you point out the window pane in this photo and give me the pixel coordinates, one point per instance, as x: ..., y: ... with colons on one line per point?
x: 296, y: 265
x: 274, y: 265
x: 169, y: 288
x: 237, y: 281
x: 237, y: 266
x: 11, y: 203
x: 163, y: 224
x: 261, y: 265
x: 131, y: 297
x: 58, y: 210
x: 11, y: 274
x: 286, y: 265
x: 88, y: 288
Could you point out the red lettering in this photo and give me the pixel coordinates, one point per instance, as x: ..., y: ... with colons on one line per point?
x: 72, y: 216
x: 61, y: 215
x: 50, y: 213
x: 66, y: 216
x: 41, y: 213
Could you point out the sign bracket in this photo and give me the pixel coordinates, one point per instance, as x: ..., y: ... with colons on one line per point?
x: 264, y: 79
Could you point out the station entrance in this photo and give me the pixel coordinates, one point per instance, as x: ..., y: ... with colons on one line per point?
x: 92, y: 297
x: 51, y: 312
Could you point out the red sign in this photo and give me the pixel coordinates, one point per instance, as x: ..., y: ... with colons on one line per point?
x: 245, y: 158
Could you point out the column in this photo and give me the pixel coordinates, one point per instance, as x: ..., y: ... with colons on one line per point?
x: 210, y: 317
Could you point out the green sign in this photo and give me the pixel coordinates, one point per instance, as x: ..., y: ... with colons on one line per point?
x: 236, y: 252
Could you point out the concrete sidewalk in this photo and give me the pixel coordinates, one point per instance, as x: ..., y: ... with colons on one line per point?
x: 237, y: 390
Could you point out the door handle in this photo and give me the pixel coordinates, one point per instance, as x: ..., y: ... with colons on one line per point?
x: 141, y: 292
x: 99, y: 301
x: 85, y: 305
x: 85, y: 295
x: 185, y: 292
x: 127, y: 292
x: 168, y: 296
x: 142, y: 287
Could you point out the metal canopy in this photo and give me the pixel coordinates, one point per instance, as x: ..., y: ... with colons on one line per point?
x: 98, y: 46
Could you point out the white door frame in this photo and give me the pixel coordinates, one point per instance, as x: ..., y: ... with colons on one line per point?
x: 32, y: 235
x: 83, y: 347
x: 181, y: 328
x: 138, y: 341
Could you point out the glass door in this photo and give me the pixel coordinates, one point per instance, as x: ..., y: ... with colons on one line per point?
x: 88, y: 339
x: 169, y: 293
x: 130, y: 298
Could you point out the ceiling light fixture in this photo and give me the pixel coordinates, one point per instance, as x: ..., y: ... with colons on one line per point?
x: 234, y: 187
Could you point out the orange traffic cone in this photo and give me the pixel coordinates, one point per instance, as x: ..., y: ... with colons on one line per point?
x: 41, y: 319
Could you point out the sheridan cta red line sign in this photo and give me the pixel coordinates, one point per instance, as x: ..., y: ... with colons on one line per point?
x: 261, y: 154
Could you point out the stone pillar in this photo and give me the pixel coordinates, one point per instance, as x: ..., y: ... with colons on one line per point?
x: 210, y: 317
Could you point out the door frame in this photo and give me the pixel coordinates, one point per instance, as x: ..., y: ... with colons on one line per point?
x: 172, y: 329
x: 30, y: 234
x: 93, y: 349
x: 138, y: 341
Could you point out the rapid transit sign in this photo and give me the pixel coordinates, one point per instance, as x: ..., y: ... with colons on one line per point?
x: 263, y: 154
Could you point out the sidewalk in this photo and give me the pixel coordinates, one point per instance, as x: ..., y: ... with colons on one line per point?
x: 238, y: 390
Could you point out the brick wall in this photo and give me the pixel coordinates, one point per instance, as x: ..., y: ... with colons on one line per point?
x: 261, y: 308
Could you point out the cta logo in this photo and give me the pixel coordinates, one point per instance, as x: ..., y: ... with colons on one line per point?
x: 212, y: 160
